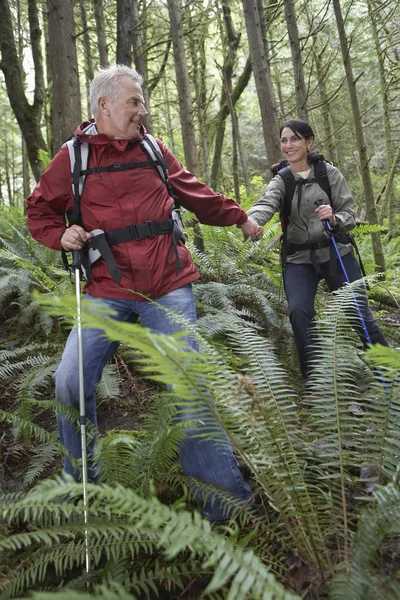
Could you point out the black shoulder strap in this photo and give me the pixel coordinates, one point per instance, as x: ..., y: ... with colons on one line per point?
x: 290, y: 185
x: 321, y: 177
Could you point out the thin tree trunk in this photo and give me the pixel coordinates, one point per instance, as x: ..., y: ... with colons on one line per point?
x: 7, y: 162
x: 390, y: 195
x: 26, y: 184
x: 235, y: 162
x: 140, y: 57
x: 27, y: 115
x: 66, y: 101
x: 237, y: 147
x: 98, y: 6
x: 170, y: 132
x: 89, y: 72
x: 321, y: 72
x: 263, y: 80
x: 299, y: 83
x: 386, y: 199
x: 220, y: 121
x: 183, y: 85
x: 197, y: 51
x: 48, y: 90
x: 361, y: 144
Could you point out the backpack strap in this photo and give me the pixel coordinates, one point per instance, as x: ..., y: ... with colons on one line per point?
x: 290, y: 186
x: 321, y: 177
x: 151, y: 148
x: 99, y: 245
x: 79, y: 158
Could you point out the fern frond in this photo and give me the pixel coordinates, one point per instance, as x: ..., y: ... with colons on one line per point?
x: 139, y: 522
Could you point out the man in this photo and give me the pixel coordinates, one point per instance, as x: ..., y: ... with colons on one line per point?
x: 115, y: 200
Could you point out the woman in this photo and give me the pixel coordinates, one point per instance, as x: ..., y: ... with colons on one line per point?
x: 319, y: 194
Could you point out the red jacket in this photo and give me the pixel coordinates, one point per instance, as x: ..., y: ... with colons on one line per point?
x: 113, y: 200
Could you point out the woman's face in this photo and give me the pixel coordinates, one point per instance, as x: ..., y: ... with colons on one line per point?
x: 294, y: 147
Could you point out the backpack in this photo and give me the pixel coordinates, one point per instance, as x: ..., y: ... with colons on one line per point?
x: 321, y: 178
x: 99, y: 245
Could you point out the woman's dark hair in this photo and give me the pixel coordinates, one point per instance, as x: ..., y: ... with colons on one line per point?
x: 303, y: 130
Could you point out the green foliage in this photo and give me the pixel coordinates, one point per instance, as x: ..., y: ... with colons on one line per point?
x: 44, y: 158
x: 121, y: 525
x: 303, y: 454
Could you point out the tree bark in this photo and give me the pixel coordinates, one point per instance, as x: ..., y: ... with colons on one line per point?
x: 299, y: 83
x: 183, y: 85
x: 27, y: 115
x: 263, y: 80
x: 361, y: 144
x: 321, y: 72
x: 170, y: 131
x: 98, y: 6
x: 124, y: 29
x: 221, y: 118
x: 390, y: 195
x: 197, y: 52
x: 140, y: 58
x: 89, y: 72
x: 66, y: 100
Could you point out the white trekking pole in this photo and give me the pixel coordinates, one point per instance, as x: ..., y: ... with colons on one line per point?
x: 76, y: 266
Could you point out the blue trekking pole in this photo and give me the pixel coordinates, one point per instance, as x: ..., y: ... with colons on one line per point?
x: 328, y: 227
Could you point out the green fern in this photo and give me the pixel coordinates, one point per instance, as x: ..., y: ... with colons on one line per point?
x: 120, y: 524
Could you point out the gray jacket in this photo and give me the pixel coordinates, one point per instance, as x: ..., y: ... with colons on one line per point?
x: 304, y: 224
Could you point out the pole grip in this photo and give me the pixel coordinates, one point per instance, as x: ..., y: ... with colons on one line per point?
x: 76, y: 259
x: 326, y: 223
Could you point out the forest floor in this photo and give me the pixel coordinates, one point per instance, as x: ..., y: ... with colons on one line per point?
x: 122, y: 413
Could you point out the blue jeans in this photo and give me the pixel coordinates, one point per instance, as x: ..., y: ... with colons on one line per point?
x: 301, y: 282
x: 206, y: 460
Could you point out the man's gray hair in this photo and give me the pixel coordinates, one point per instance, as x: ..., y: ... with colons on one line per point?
x: 106, y: 84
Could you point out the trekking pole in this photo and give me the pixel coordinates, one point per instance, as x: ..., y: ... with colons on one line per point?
x: 356, y: 305
x: 328, y: 227
x: 76, y: 266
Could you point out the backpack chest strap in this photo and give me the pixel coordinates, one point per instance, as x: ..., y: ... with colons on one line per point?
x: 139, y: 231
x: 119, y: 167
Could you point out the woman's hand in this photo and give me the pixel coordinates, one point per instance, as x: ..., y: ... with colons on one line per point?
x: 325, y: 214
x: 252, y: 230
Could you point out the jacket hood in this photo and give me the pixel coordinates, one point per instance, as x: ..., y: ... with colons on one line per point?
x: 87, y: 132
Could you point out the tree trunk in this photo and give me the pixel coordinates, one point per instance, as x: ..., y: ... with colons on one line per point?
x: 124, y: 32
x: 66, y: 101
x: 390, y: 195
x: 299, y: 83
x: 220, y: 121
x: 263, y: 80
x: 183, y: 85
x: 386, y: 200
x: 26, y: 184
x: 98, y: 6
x: 48, y: 88
x: 361, y: 144
x: 171, y: 141
x: 321, y: 72
x: 28, y: 116
x: 197, y: 52
x: 140, y: 57
x: 89, y: 73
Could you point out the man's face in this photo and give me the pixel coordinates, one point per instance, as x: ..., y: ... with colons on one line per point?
x: 125, y: 115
